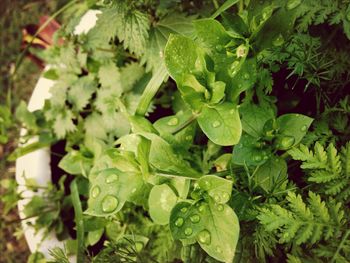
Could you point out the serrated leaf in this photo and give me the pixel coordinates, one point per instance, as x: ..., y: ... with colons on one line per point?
x: 80, y: 93
x: 63, y: 124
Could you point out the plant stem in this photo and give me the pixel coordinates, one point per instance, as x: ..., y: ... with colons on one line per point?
x: 185, y: 124
x: 78, y: 221
x: 341, y: 244
x: 151, y: 90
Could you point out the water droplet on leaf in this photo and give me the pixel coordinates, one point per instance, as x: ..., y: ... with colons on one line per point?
x: 279, y: 40
x: 195, y: 218
x: 287, y: 142
x: 201, y: 208
x: 188, y: 137
x: 304, y: 128
x: 173, y: 121
x: 257, y: 158
x: 216, y: 124
x: 246, y: 76
x: 179, y: 222
x: 184, y: 209
x: 95, y: 191
x: 204, y: 237
x: 112, y: 178
x: 109, y: 203
x: 217, y: 198
x: 219, y: 48
x: 220, y: 207
x: 188, y: 231
x: 225, y: 197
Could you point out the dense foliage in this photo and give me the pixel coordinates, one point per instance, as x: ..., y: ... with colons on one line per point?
x: 199, y: 131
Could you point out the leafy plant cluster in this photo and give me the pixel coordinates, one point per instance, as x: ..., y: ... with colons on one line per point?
x: 200, y: 132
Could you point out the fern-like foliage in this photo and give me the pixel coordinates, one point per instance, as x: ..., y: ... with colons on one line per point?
x: 302, y: 222
x: 327, y: 168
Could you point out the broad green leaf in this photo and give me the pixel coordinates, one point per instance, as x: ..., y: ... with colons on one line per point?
x: 181, y: 54
x: 293, y: 127
x: 211, y: 33
x: 244, y: 79
x: 110, y: 189
x: 218, y: 188
x: 161, y: 201
x: 75, y: 163
x: 219, y: 237
x: 94, y: 236
x: 170, y: 124
x: 249, y: 151
x: 271, y: 174
x: 214, y: 226
x: 163, y: 158
x: 173, y: 23
x: 221, y: 124
x: 186, y: 220
x: 254, y: 118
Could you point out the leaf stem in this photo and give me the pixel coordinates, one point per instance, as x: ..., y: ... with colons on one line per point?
x: 341, y: 244
x: 185, y: 124
x: 78, y: 221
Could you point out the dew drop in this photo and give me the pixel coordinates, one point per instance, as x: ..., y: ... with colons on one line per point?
x: 246, y: 76
x: 218, y: 249
x: 201, y: 208
x: 109, y: 203
x: 287, y: 142
x: 188, y: 231
x: 184, y: 209
x: 173, y: 121
x: 257, y: 158
x: 216, y: 124
x: 204, y: 237
x: 112, y: 178
x: 195, y: 218
x: 225, y: 197
x: 219, y: 48
x: 232, y: 111
x: 278, y: 41
x: 95, y: 191
x: 179, y: 222
x: 304, y: 128
x: 188, y: 137
x: 207, y: 185
x: 220, y: 208
x: 217, y: 198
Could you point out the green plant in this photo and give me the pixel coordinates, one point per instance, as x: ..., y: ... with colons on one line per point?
x: 179, y: 144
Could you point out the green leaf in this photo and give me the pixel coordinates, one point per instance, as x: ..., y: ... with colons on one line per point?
x: 249, y: 152
x: 94, y: 236
x: 110, y: 189
x: 109, y: 77
x: 223, y: 7
x: 161, y: 201
x: 63, y: 124
x: 211, y: 33
x: 218, y: 188
x: 244, y: 79
x: 172, y: 23
x: 75, y: 163
x: 254, y: 118
x: 270, y: 175
x: 24, y: 116
x: 133, y: 29
x: 214, y: 226
x: 219, y: 238
x: 294, y: 126
x: 170, y: 124
x: 221, y: 124
x: 181, y: 54
x: 81, y: 91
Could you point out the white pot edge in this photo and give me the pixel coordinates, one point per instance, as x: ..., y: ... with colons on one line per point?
x: 36, y: 165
